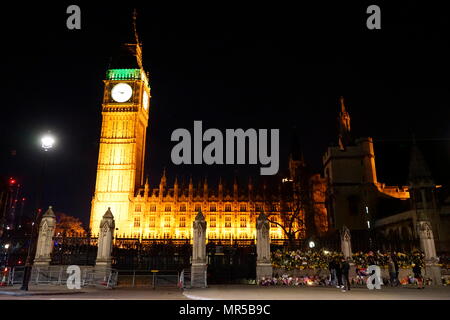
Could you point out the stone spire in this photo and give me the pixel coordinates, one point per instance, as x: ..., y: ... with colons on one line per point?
x: 175, y: 189
x: 146, y: 187
x: 49, y: 213
x: 250, y: 189
x: 191, y: 188
x: 163, y: 181
x: 344, y: 126
x: 130, y: 54
x: 220, y: 193
x: 162, y: 184
x: 205, y: 189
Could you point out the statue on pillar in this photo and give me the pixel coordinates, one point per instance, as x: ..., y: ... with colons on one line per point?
x: 44, y: 246
x: 262, y: 239
x: 199, y: 250
x: 431, y: 260
x: 105, y: 238
x: 199, y: 265
x: 263, y: 261
x: 346, y: 243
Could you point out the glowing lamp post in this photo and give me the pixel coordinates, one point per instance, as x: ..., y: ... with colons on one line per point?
x: 47, y: 143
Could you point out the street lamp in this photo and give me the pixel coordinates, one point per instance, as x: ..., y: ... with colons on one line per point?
x: 312, y: 244
x: 47, y: 142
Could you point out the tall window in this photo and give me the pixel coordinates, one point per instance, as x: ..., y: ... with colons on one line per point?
x: 228, y: 222
x: 243, y: 222
x: 137, y: 222
x: 167, y: 222
x: 258, y: 208
x: 243, y: 207
x: 198, y: 207
x: 228, y: 207
x: 151, y: 222
x: 212, y: 221
x: 168, y: 208
x: 137, y: 208
x: 153, y: 207
x: 212, y: 208
x: 182, y: 222
x: 183, y: 208
x: 273, y: 225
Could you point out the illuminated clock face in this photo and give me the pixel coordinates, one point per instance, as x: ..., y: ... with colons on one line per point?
x: 121, y: 92
x: 145, y: 100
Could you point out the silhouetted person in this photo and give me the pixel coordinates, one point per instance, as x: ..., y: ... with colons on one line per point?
x: 418, y: 275
x: 332, y: 268
x: 339, y: 275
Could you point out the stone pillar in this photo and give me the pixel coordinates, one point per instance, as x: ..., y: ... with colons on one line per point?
x: 44, y: 246
x: 432, y: 269
x: 346, y: 243
x: 263, y: 262
x: 346, y: 248
x: 199, y: 264
x: 105, y: 238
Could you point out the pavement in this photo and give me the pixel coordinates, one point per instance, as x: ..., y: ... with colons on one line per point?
x: 237, y: 292
x: 223, y: 292
x: 49, y: 292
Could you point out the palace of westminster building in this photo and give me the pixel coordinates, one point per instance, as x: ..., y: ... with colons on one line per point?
x: 347, y: 194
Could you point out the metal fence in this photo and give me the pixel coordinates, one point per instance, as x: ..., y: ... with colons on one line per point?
x: 148, y: 278
x: 57, y: 275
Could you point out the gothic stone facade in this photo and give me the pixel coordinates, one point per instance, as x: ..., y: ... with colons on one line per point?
x: 166, y: 212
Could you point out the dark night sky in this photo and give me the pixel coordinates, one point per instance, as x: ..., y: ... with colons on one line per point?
x: 231, y: 66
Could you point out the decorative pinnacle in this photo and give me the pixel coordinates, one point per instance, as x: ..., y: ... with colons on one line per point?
x: 134, y: 25
x: 108, y: 213
x: 49, y: 212
x: 342, y: 104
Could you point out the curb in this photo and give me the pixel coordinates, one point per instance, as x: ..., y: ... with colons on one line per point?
x: 48, y: 293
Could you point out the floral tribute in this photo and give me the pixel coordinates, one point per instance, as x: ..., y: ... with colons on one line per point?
x: 297, y: 259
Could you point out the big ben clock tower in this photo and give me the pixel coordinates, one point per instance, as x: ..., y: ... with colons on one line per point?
x: 125, y: 111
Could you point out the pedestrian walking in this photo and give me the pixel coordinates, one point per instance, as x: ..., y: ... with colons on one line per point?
x: 418, y: 275
x: 332, y: 269
x: 397, y: 281
x: 339, y: 274
x: 392, y: 272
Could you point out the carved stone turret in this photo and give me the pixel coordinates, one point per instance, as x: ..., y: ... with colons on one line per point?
x: 105, y: 241
x: 431, y: 260
x: 45, y: 239
x: 199, y: 266
x: 263, y: 262
x: 346, y: 243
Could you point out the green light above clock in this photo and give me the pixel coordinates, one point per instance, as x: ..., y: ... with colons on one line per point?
x: 123, y: 74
